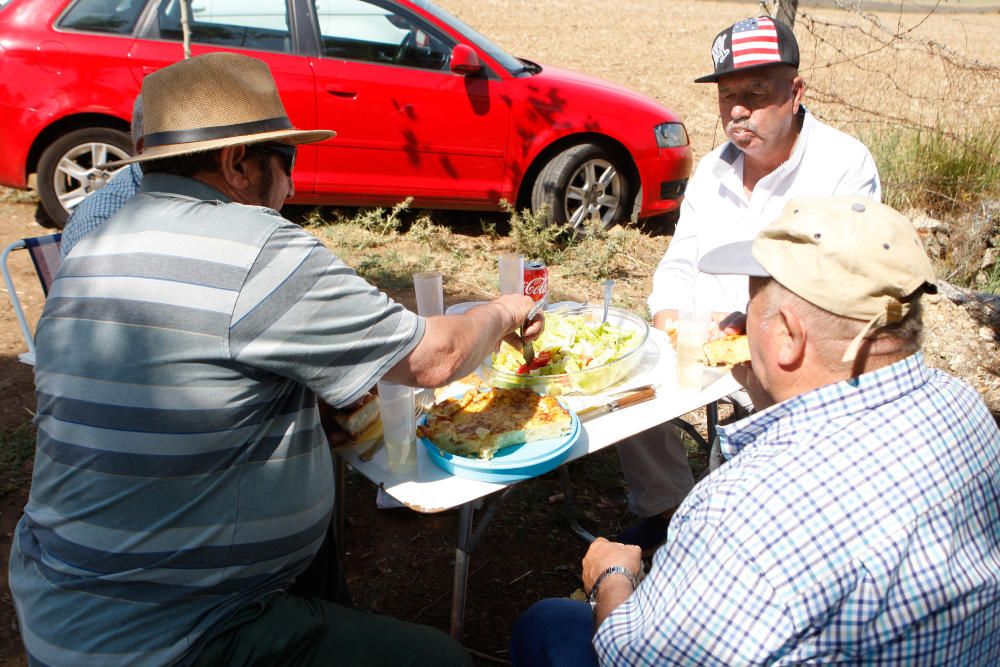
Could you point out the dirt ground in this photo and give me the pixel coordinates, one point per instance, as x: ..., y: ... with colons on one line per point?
x: 400, y: 562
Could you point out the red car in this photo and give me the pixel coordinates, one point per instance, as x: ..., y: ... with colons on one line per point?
x: 423, y: 105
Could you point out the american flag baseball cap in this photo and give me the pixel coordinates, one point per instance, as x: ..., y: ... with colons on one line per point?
x: 751, y: 43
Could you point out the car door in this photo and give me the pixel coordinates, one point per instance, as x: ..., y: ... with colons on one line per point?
x: 258, y: 28
x: 406, y: 125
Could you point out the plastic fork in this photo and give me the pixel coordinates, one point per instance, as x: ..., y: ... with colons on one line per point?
x: 527, y: 348
x: 608, y: 284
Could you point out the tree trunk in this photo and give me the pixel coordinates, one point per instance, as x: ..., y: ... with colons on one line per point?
x: 786, y: 11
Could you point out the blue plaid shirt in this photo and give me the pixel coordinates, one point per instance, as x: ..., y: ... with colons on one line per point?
x: 98, y: 206
x: 858, y: 523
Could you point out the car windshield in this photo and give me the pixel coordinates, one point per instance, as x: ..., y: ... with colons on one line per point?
x: 507, y: 61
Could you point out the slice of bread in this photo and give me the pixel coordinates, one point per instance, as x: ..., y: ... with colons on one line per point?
x: 727, y: 351
x: 359, y: 418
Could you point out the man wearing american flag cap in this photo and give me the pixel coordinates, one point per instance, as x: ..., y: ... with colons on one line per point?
x: 776, y: 150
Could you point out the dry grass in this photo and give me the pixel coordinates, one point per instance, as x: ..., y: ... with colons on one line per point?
x: 658, y: 48
x: 464, y: 248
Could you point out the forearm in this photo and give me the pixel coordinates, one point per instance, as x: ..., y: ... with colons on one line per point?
x: 614, y: 591
x: 455, y: 345
x: 473, y: 337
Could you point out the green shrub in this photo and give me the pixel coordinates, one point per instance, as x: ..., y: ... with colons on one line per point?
x: 937, y: 173
x: 953, y: 178
x: 536, y: 236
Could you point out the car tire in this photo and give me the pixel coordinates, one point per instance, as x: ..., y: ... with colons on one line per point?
x: 581, y: 181
x: 66, y: 169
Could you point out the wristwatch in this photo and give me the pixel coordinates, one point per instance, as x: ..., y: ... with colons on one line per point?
x: 614, y: 569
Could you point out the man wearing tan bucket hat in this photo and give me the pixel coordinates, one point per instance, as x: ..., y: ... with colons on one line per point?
x: 857, y: 520
x: 183, y: 487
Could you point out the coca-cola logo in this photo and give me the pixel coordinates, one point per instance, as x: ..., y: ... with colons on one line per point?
x: 536, y: 286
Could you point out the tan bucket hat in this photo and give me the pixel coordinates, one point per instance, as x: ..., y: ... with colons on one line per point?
x: 850, y: 256
x: 212, y: 101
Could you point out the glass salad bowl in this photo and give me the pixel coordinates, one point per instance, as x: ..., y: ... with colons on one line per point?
x: 584, y: 356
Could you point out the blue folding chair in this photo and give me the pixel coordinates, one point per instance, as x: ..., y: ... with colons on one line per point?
x: 44, y: 253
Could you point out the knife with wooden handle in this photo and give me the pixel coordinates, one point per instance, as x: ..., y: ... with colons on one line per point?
x: 633, y: 398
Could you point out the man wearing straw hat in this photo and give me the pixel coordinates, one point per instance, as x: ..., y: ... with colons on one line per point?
x: 857, y: 520
x: 183, y: 484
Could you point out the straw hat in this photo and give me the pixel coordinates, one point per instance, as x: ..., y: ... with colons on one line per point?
x: 212, y: 101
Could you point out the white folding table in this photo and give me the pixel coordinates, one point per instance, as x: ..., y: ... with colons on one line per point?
x: 430, y: 489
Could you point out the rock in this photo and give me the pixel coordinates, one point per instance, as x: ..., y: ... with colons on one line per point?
x: 957, y: 341
x: 982, y: 306
x: 989, y: 258
x: 931, y: 231
x: 923, y: 223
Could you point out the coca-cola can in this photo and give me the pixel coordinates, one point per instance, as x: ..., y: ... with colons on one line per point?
x: 536, y: 280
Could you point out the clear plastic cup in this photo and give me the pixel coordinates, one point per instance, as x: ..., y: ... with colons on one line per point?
x: 511, y: 268
x: 692, y: 334
x: 399, y: 426
x: 429, y: 289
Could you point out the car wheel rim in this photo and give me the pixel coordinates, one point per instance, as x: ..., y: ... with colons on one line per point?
x: 594, y: 189
x: 76, y: 175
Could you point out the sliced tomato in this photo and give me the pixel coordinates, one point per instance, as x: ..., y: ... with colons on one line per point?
x: 541, y: 360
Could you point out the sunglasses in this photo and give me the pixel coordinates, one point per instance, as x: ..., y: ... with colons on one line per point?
x: 284, y: 151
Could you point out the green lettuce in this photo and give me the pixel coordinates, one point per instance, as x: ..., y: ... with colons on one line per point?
x: 575, y: 344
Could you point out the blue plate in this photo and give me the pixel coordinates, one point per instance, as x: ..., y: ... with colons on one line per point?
x: 510, y: 464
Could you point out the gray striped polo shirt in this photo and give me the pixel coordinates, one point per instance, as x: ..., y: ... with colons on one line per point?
x: 181, y: 471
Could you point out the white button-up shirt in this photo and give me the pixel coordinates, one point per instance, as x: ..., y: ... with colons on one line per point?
x: 716, y: 210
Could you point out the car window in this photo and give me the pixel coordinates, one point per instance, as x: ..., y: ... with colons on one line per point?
x: 250, y: 24
x: 114, y: 16
x: 507, y: 61
x: 378, y: 32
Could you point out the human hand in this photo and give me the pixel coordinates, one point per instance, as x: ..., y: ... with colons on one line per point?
x: 744, y: 374
x: 602, y: 554
x: 666, y: 321
x: 731, y: 324
x: 519, y: 307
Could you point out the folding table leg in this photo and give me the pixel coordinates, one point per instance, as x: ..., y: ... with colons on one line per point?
x: 461, y: 579
x: 570, y: 508
x: 705, y: 445
x: 339, y: 476
x: 467, y: 541
x: 712, y: 411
